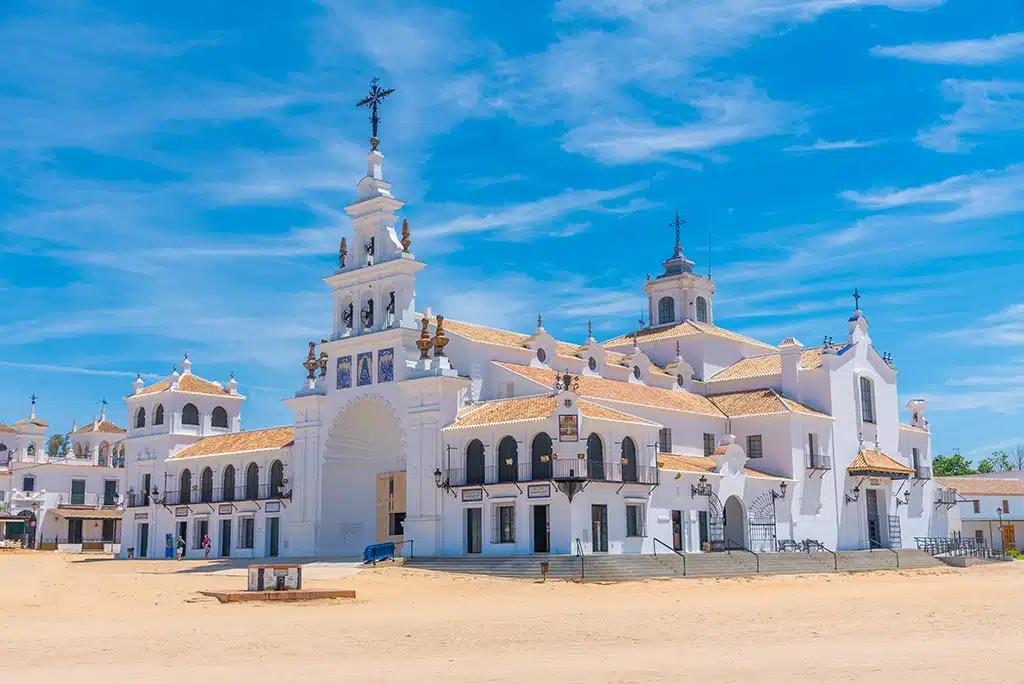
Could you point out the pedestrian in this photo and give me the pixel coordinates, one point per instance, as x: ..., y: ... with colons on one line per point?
x: 181, y: 547
x: 206, y: 546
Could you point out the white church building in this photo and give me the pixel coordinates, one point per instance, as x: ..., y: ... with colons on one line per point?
x: 466, y: 439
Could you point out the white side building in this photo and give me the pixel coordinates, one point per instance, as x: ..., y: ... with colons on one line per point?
x: 991, y: 507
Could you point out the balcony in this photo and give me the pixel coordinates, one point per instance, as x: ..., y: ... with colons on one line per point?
x: 199, y: 495
x: 105, y: 500
x: 922, y: 472
x: 555, y: 470
x: 819, y: 462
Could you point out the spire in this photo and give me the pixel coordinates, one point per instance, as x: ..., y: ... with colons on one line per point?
x: 137, y: 383
x: 540, y: 324
x: 590, y: 328
x: 186, y: 365
x: 677, y: 263
x: 678, y: 250
x: 32, y: 411
x: 372, y: 101
x: 856, y: 300
x: 103, y: 411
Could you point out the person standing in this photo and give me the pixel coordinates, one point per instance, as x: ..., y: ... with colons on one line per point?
x: 181, y: 547
x: 206, y: 546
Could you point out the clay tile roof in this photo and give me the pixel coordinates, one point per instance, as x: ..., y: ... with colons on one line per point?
x: 701, y: 464
x: 591, y: 387
x: 766, y: 365
x: 37, y: 422
x: 983, y: 486
x: 505, y: 338
x: 869, y: 461
x: 914, y: 428
x: 193, y: 384
x: 239, y: 442
x: 6, y: 428
x: 102, y: 426
x: 759, y: 402
x: 521, y: 409
x: 684, y: 329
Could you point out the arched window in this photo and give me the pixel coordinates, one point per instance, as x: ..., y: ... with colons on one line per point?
x: 540, y: 457
x: 140, y: 418
x: 158, y: 415
x: 276, y: 478
x: 702, y: 310
x: 666, y: 310
x: 595, y: 457
x: 189, y: 415
x: 78, y: 450
x: 628, y: 460
x: 508, y: 460
x: 31, y: 449
x: 475, y: 463
x: 206, y: 485
x: 219, y: 418
x: 228, y: 482
x: 252, y: 482
x: 185, y: 487
x: 867, y: 400
x: 104, y: 453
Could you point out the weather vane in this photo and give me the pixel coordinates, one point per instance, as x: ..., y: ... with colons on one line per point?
x: 376, y: 96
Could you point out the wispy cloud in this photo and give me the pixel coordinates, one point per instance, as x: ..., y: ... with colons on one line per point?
x: 832, y: 145
x: 983, y: 194
x: 1002, y: 329
x: 972, y: 52
x: 985, y: 107
x: 76, y: 370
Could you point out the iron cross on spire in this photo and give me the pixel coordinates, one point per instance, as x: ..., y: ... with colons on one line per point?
x: 376, y: 96
x: 678, y: 223
x: 856, y: 299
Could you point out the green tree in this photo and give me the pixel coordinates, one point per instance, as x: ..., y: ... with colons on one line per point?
x: 985, y: 465
x: 945, y: 466
x: 1001, y: 461
x: 56, y: 446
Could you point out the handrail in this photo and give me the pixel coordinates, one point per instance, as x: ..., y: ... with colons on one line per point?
x: 818, y: 545
x: 579, y: 553
x: 673, y: 550
x: 887, y: 548
x: 410, y: 542
x: 741, y: 547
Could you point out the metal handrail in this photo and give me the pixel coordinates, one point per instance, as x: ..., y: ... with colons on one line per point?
x: 887, y: 548
x: 673, y: 550
x: 741, y: 547
x: 410, y: 542
x: 579, y: 553
x: 808, y: 543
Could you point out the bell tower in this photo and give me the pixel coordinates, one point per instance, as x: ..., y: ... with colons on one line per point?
x: 679, y: 294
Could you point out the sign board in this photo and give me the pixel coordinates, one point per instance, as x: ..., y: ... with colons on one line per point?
x: 472, y: 495
x: 142, y: 516
x: 568, y: 428
x: 225, y: 509
x: 538, y: 491
x: 181, y: 512
x: 273, y: 507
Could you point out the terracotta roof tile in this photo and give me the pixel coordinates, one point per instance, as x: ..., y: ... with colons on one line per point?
x: 37, y: 422
x: 759, y: 402
x: 766, y: 366
x: 701, y: 464
x: 238, y: 442
x: 192, y: 384
x: 6, y: 428
x: 870, y: 461
x: 102, y: 426
x: 684, y: 329
x: 532, y: 408
x: 983, y: 486
x: 626, y: 392
x: 914, y: 428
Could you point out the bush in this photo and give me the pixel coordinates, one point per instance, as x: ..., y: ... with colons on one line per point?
x: 1015, y: 554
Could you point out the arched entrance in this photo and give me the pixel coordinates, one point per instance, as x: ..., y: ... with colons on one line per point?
x: 735, y: 523
x: 29, y: 531
x: 364, y: 441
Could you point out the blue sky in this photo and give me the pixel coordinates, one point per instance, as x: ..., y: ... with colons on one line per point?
x: 172, y: 178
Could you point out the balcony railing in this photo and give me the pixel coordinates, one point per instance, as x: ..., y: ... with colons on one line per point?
x: 556, y: 469
x: 202, y: 495
x: 84, y: 499
x: 922, y: 472
x: 819, y: 462
x: 945, y: 497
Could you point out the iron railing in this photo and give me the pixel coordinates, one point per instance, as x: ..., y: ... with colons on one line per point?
x: 731, y: 545
x: 554, y: 469
x: 819, y: 462
x: 878, y: 546
x: 922, y: 472
x: 200, y: 495
x: 957, y: 546
x: 84, y: 499
x: 579, y: 554
x: 945, y: 497
x: 670, y: 548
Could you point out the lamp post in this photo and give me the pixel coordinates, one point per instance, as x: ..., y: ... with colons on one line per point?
x: 856, y: 496
x: 702, y: 488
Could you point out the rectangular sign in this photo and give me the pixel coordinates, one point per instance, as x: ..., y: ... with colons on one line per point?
x: 181, y: 512
x: 273, y: 507
x: 225, y: 509
x: 472, y: 495
x: 142, y: 516
x: 538, y: 491
x: 568, y: 428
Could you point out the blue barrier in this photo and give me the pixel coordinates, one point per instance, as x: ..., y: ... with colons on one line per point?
x: 379, y: 552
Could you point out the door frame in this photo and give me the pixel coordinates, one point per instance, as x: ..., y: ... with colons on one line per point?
x: 599, y: 529
x: 469, y: 530
x: 677, y: 530
x: 273, y: 536
x: 547, y: 527
x: 225, y: 537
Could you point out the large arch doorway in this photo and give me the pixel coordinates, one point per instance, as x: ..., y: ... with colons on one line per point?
x: 735, y: 523
x: 365, y: 440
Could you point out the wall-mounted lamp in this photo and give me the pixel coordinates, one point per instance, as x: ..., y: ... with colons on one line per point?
x: 903, y: 501
x: 781, y: 494
x: 445, y: 485
x: 702, y: 488
x: 856, y: 496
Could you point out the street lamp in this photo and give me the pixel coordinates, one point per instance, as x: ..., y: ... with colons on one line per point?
x: 702, y: 488
x: 777, y: 495
x: 999, y: 511
x: 856, y: 496
x: 446, y: 485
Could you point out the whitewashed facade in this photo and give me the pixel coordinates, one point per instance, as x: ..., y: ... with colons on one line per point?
x: 991, y: 507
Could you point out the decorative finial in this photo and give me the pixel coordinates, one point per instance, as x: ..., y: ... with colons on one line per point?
x: 540, y: 321
x: 376, y: 96
x: 678, y: 223
x: 856, y: 299
x: 424, y: 344
x: 440, y: 339
x: 406, y: 240
x: 322, y: 361
x: 32, y: 411
x: 311, y: 364
x: 342, y: 252
x: 590, y: 328
x: 232, y: 375
x: 677, y: 349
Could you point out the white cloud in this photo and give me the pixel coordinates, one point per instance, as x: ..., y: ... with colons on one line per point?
x: 829, y: 145
x: 973, y: 52
x: 985, y: 107
x: 983, y: 194
x: 75, y: 370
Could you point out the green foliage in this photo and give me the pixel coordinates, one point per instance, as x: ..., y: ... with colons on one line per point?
x: 1015, y: 554
x: 946, y: 466
x: 985, y: 465
x: 1001, y: 461
x: 56, y: 445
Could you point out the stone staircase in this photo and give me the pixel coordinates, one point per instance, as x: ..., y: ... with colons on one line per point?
x: 613, y: 568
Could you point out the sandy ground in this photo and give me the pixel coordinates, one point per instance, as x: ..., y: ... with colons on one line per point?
x: 68, y: 618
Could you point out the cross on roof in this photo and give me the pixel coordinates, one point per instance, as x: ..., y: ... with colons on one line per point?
x: 376, y: 96
x: 678, y: 223
x: 856, y: 299
x: 33, y: 398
